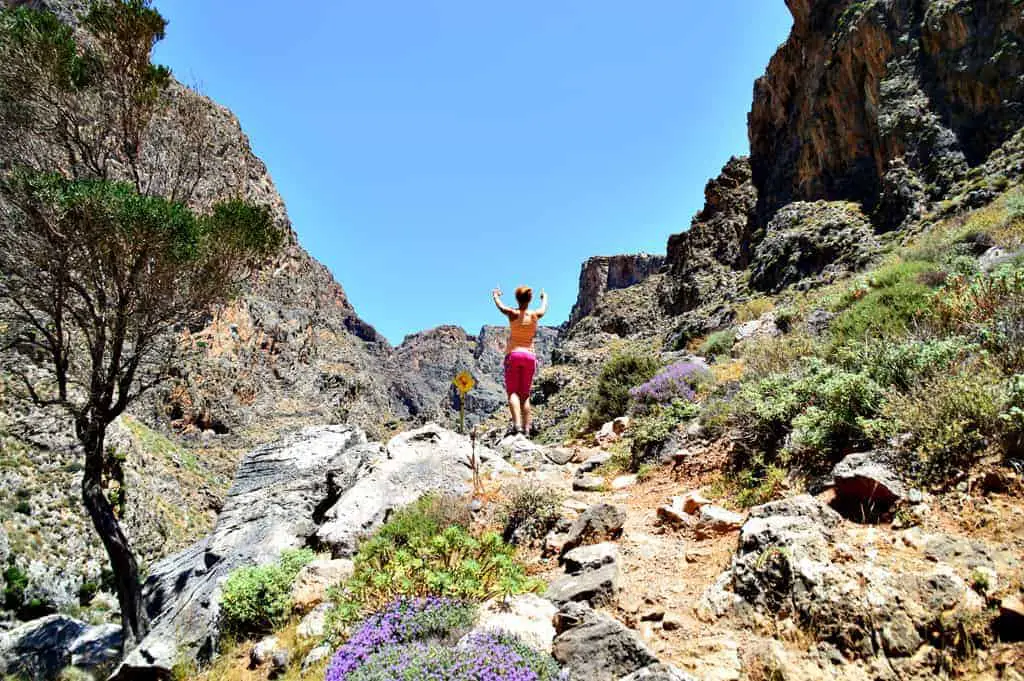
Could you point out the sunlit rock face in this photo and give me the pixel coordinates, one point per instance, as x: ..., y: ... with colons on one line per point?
x: 861, y: 84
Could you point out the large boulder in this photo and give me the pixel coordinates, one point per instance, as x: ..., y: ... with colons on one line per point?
x: 867, y: 478
x: 596, y: 524
x: 591, y: 646
x: 40, y: 649
x: 428, y: 459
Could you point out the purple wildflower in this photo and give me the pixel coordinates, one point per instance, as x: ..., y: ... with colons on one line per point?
x: 677, y: 382
x: 480, y: 657
x: 405, y: 620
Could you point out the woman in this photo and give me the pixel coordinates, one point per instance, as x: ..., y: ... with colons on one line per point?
x: 520, y: 358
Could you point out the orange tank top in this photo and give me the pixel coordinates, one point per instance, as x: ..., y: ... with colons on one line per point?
x: 521, y: 333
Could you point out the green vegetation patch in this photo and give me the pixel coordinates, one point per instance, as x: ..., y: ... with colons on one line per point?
x: 421, y: 552
x: 257, y: 599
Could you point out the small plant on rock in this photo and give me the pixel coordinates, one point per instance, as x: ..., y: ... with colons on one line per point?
x: 529, y: 513
x: 257, y: 599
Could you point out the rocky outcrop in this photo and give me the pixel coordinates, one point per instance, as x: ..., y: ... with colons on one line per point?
x: 799, y: 563
x: 703, y: 261
x: 812, y: 243
x: 608, y: 273
x: 324, y: 486
x: 866, y: 88
x: 42, y: 648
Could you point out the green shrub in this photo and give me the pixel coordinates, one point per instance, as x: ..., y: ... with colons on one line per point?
x: 611, y: 395
x: 886, y: 304
x: 655, y: 428
x: 414, y: 554
x: 15, y: 583
x: 257, y: 599
x: 23, y: 507
x: 903, y: 364
x: 758, y: 483
x: 947, y: 419
x: 718, y: 344
x: 1015, y: 206
x: 530, y: 512
x: 1012, y: 416
x: 425, y: 517
x: 821, y: 407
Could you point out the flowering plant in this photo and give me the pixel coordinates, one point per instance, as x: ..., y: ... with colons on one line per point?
x: 679, y: 381
x: 411, y: 640
x: 405, y: 620
x: 480, y: 657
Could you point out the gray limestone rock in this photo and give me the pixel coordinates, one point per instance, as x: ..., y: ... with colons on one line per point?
x: 594, y: 462
x: 592, y: 646
x: 322, y: 484
x: 39, y: 649
x: 596, y: 524
x: 588, y: 483
x: 274, y: 504
x: 429, y: 459
x: 868, y: 478
x: 596, y: 586
x: 590, y: 557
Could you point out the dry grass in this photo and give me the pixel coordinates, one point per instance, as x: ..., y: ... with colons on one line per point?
x: 233, y: 662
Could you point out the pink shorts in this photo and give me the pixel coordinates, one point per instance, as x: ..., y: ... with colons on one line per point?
x: 519, y: 368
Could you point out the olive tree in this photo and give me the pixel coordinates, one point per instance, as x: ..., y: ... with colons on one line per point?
x: 103, y: 261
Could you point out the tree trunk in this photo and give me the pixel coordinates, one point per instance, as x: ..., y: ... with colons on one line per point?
x: 134, y: 621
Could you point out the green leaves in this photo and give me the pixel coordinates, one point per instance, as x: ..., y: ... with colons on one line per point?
x: 418, y: 553
x: 258, y: 599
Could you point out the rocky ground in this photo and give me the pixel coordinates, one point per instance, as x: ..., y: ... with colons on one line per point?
x: 805, y: 587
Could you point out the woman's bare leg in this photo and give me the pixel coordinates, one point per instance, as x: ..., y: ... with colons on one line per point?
x: 514, y: 408
x: 526, y: 416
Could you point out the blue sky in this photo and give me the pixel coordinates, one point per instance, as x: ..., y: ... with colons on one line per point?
x: 429, y: 150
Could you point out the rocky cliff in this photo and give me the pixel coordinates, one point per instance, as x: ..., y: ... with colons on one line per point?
x: 870, y: 93
x: 607, y: 273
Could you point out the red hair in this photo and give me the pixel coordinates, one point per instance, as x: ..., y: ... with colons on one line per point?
x: 524, y: 294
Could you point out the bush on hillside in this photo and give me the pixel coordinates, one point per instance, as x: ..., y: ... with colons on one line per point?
x: 1012, y: 416
x: 529, y: 512
x: 416, y: 554
x: 886, y: 304
x: 652, y: 430
x: 257, y: 599
x: 818, y: 408
x: 902, y: 364
x: 611, y: 395
x: 945, y: 421
x: 718, y: 344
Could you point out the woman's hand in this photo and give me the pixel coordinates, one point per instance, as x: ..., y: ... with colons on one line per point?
x: 496, y: 293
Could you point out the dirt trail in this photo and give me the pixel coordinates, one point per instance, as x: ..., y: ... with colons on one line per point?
x: 664, y: 571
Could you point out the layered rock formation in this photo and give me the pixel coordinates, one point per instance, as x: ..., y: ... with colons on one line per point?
x: 860, y: 85
x: 610, y: 272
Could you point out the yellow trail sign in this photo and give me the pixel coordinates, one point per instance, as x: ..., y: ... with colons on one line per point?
x: 464, y: 382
